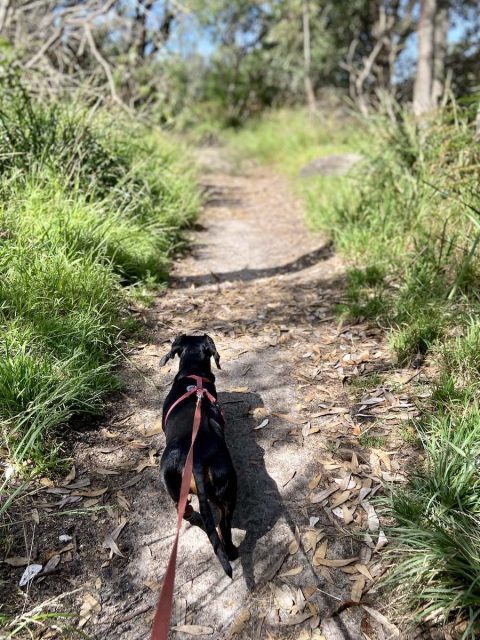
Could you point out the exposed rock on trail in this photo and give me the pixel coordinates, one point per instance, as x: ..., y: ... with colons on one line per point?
x: 334, y: 165
x: 265, y: 289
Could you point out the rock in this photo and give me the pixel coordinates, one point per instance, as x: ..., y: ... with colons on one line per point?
x: 344, y: 626
x: 334, y: 165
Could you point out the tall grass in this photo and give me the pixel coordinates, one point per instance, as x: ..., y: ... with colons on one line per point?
x: 90, y: 207
x: 407, y: 221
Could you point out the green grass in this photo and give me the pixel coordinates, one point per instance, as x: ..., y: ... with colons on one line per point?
x: 289, y: 139
x: 372, y: 442
x: 406, y: 220
x: 91, y: 211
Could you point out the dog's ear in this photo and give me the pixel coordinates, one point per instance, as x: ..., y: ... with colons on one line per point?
x: 175, y: 350
x: 212, y: 350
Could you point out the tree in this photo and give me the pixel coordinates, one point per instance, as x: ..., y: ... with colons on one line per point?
x: 432, y: 48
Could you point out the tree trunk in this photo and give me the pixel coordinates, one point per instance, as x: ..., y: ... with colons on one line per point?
x: 422, y: 90
x: 140, y: 30
x: 4, y: 7
x: 310, y: 95
x: 477, y: 124
x: 439, y: 52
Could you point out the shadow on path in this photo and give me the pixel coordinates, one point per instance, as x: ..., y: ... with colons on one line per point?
x: 259, y: 503
x: 299, y: 264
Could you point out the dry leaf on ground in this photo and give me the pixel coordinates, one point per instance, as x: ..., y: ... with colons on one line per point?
x: 29, y: 574
x: 291, y: 572
x: 90, y: 606
x: 110, y: 541
x: 357, y: 589
x: 239, y: 622
x: 17, y: 561
x: 379, y: 617
x: 337, y: 562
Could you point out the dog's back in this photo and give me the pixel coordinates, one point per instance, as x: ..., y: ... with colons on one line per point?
x: 214, y: 477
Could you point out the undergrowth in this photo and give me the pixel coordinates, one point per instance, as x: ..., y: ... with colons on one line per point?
x: 91, y: 209
x: 407, y: 219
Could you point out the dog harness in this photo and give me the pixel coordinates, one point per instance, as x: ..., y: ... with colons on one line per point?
x: 198, y: 388
x: 161, y: 621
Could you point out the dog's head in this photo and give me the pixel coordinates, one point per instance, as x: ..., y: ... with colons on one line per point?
x: 199, y: 347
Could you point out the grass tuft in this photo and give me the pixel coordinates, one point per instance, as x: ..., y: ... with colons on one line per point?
x: 91, y: 213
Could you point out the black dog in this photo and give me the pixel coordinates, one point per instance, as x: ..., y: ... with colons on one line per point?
x: 214, y: 479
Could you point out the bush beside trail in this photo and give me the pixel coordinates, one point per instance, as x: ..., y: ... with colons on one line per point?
x: 92, y: 209
x: 407, y: 220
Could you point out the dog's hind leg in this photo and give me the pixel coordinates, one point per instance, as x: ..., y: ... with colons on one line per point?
x: 209, y: 521
x: 226, y: 531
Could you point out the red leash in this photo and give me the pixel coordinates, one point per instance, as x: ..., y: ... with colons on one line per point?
x: 163, y: 614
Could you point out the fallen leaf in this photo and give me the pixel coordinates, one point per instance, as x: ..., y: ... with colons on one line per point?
x: 153, y: 585
x: 339, y: 562
x: 314, y: 482
x: 376, y: 615
x: 90, y: 493
x: 297, y: 619
x: 90, y: 606
x: 51, y: 565
x: 132, y: 481
x: 193, y: 629
x: 323, y: 495
x: 91, y: 502
x: 357, y: 589
x: 372, y: 518
x: 122, y: 501
x: 110, y: 541
x: 148, y: 462
x: 58, y: 491
x: 135, y: 444
x: 17, y: 561
x: 370, y: 401
x: 239, y: 622
x: 79, y: 484
x: 291, y: 572
x: 381, y: 542
x: 347, y: 514
x: 294, y: 544
x: 105, y: 472
x: 284, y: 597
x: 320, y: 554
x: 29, y: 574
x: 354, y: 462
x: 309, y: 590
x: 153, y: 430
x: 343, y: 497
x: 363, y: 569
x: 70, y: 476
x: 311, y: 538
x: 110, y: 434
x: 46, y: 482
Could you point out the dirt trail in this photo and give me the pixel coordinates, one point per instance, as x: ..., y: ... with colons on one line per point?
x: 264, y: 288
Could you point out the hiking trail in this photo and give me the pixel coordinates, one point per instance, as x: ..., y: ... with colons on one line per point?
x: 265, y: 289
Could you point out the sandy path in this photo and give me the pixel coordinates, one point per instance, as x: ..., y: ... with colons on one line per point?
x: 264, y: 288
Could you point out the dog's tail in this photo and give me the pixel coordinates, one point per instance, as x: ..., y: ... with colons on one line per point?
x: 208, y: 520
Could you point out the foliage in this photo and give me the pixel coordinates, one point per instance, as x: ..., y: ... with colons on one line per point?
x: 89, y: 214
x: 407, y: 221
